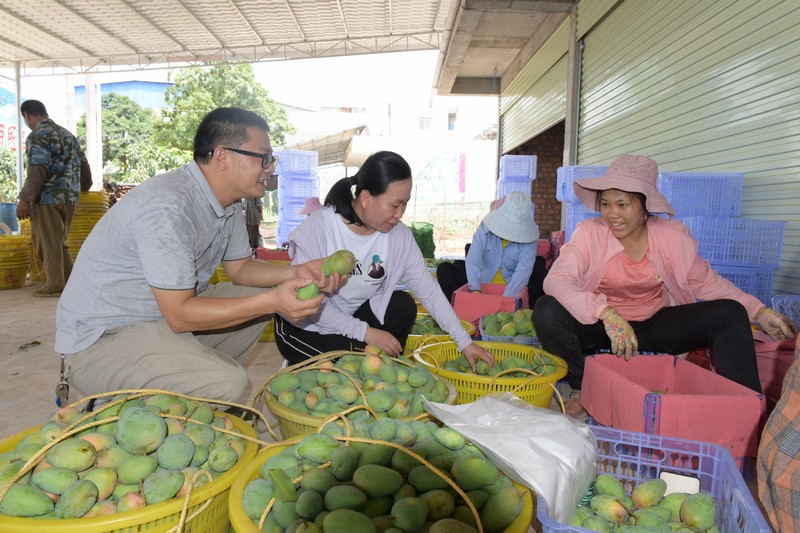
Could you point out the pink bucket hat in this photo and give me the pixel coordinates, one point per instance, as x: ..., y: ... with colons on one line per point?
x: 311, y: 205
x: 629, y: 173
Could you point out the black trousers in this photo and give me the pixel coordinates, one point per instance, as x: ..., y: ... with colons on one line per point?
x: 452, y: 275
x: 297, y: 345
x: 721, y: 324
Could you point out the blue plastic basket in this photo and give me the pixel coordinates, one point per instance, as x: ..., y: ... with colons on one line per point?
x: 505, y: 186
x: 752, y: 280
x: 518, y: 167
x: 708, y: 193
x: 296, y: 188
x: 789, y: 305
x: 566, y: 176
x: 301, y: 162
x: 528, y: 341
x: 737, y: 241
x: 634, y: 457
x: 576, y: 212
x: 284, y: 228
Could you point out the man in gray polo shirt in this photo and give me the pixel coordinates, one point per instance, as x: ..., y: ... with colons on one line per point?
x: 138, y: 310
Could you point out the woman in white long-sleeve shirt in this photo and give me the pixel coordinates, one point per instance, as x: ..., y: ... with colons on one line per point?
x: 367, y: 309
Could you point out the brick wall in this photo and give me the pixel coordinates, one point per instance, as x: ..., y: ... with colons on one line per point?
x: 548, y: 147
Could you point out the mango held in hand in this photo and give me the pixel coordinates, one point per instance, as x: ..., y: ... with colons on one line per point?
x: 341, y: 262
x: 308, y: 292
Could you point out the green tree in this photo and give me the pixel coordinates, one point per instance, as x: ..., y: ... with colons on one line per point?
x: 198, y: 90
x: 8, y: 175
x: 129, y: 153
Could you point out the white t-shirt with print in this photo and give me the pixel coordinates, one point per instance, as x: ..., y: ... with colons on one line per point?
x: 372, y: 261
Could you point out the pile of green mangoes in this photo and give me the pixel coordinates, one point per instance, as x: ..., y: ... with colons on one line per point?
x: 322, y: 484
x: 140, y: 459
x: 540, y: 364
x: 391, y: 388
x: 646, y: 509
x: 508, y: 324
x: 426, y: 325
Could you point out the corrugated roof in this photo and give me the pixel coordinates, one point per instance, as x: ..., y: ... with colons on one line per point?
x: 51, y: 37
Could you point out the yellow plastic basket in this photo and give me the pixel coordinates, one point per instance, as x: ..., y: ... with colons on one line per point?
x: 221, y: 275
x: 13, y: 277
x: 537, y: 391
x: 415, y: 341
x: 157, y: 518
x: 269, y: 332
x: 293, y: 424
x: 242, y: 524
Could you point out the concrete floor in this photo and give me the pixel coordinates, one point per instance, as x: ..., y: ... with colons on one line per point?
x: 30, y: 366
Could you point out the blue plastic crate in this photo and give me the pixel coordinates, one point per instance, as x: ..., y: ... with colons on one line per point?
x: 528, y: 341
x: 635, y: 457
x: 566, y: 176
x: 737, y: 241
x: 518, y: 167
x: 576, y: 212
x: 301, y: 162
x: 708, y: 193
x: 789, y: 305
x: 505, y: 186
x: 284, y: 228
x: 752, y: 280
x: 295, y: 188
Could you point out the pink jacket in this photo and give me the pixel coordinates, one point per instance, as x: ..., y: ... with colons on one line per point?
x: 672, y: 251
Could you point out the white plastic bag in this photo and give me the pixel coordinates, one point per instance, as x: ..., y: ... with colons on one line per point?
x: 550, y: 453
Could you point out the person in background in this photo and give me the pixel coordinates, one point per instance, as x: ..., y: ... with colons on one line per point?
x: 138, y: 311
x: 253, y: 212
x: 778, y: 464
x: 310, y: 205
x: 367, y: 309
x: 629, y: 281
x: 503, y: 251
x: 57, y: 173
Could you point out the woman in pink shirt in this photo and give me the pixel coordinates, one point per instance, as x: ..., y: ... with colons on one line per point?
x: 629, y: 281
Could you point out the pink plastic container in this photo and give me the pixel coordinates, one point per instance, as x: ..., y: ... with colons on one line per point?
x: 472, y: 306
x: 666, y: 395
x: 265, y: 254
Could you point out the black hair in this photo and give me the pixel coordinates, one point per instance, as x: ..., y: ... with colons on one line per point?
x: 33, y: 107
x: 642, y: 198
x: 224, y: 126
x: 380, y: 170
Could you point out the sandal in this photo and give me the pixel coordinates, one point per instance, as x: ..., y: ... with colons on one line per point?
x: 573, y: 407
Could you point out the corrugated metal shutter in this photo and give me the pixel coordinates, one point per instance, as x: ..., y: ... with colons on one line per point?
x: 590, y: 12
x: 702, y: 86
x: 536, y: 99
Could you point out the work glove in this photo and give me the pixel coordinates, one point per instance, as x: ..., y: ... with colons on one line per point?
x: 620, y: 332
x: 777, y: 325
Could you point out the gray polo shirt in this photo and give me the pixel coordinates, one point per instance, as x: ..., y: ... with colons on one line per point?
x: 169, y: 232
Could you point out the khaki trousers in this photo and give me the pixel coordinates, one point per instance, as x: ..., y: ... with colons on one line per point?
x: 50, y: 224
x: 149, y: 355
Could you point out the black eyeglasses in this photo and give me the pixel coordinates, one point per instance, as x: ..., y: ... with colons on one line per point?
x: 267, y: 160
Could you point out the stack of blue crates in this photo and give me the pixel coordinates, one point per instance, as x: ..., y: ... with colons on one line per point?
x: 574, y: 209
x: 743, y: 250
x: 297, y: 180
x: 517, y: 173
